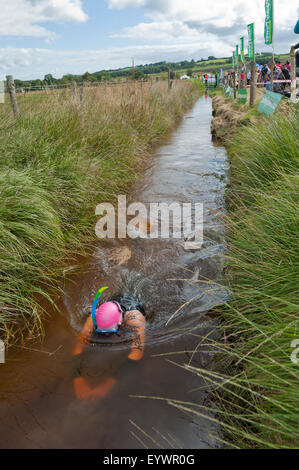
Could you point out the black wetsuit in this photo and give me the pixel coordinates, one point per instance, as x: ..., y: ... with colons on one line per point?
x: 128, y: 303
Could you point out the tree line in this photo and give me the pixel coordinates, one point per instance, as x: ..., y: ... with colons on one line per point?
x: 141, y: 71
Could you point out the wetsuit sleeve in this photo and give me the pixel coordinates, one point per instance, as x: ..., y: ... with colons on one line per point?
x: 84, y: 335
x: 135, y: 320
x: 81, y: 387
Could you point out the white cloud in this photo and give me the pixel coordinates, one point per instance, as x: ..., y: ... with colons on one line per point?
x: 159, y: 30
x: 173, y: 30
x: 23, y: 17
x: 121, y: 4
x: 202, y: 21
x: 35, y: 63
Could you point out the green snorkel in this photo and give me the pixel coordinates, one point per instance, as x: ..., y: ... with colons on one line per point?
x: 94, y: 308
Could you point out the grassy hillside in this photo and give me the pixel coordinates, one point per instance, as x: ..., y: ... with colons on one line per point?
x: 159, y: 69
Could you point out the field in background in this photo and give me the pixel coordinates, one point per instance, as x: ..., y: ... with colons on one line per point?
x: 148, y: 72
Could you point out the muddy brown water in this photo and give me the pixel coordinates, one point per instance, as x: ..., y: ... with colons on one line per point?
x: 38, y: 407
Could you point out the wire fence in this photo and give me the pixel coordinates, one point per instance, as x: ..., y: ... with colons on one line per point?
x: 74, y: 84
x: 77, y: 89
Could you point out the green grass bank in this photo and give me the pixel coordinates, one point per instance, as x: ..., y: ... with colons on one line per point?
x: 59, y: 159
x: 255, y: 380
x: 261, y: 321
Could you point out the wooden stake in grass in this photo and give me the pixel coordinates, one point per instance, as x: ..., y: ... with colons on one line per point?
x: 293, y: 75
x: 81, y: 93
x: 133, y: 69
x: 74, y: 91
x: 272, y: 72
x: 252, y: 82
x: 12, y: 93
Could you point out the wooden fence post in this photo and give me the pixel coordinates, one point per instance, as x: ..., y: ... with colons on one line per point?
x: 12, y: 93
x: 234, y: 82
x: 2, y: 92
x: 293, y: 76
x: 252, y: 82
x: 74, y: 91
x: 81, y: 93
x: 272, y: 73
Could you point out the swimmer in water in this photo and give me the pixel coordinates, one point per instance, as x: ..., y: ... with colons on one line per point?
x: 107, y: 319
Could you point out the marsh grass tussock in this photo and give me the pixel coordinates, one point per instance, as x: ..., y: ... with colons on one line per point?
x: 254, y: 381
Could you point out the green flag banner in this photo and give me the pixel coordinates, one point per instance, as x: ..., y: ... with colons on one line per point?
x: 242, y: 51
x: 237, y: 55
x: 250, y: 29
x: 268, y: 22
x: 234, y: 64
x: 242, y: 96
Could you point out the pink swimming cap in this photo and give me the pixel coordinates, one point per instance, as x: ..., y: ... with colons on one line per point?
x: 108, y: 316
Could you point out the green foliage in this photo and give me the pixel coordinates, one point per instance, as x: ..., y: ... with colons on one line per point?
x: 212, y: 64
x: 138, y: 74
x: 254, y: 379
x: 262, y: 316
x: 49, y: 79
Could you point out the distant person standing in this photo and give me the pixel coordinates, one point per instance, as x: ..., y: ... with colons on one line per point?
x: 296, y: 31
x: 288, y: 66
x: 248, y: 77
x: 242, y: 79
x: 286, y: 72
x: 267, y: 80
x: 264, y: 72
x: 279, y: 77
x: 242, y: 76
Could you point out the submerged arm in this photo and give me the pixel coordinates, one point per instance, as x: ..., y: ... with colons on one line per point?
x: 83, y: 337
x: 84, y: 392
x: 137, y: 323
x: 81, y: 387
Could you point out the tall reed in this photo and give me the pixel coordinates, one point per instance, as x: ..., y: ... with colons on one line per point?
x: 254, y: 380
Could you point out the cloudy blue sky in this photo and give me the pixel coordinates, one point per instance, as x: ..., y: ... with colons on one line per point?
x: 75, y: 36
